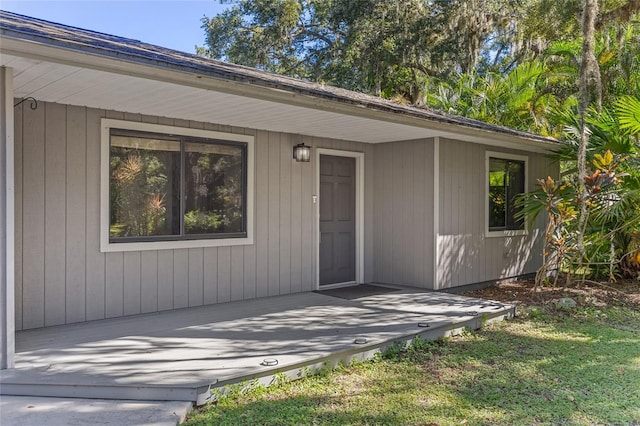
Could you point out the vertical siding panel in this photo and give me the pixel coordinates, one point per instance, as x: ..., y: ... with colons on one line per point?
x: 369, y: 212
x: 429, y: 243
x: 481, y: 217
x: 446, y: 214
x: 472, y: 209
x: 474, y: 185
x: 76, y: 214
x: 196, y: 284
x: 458, y: 254
x: 114, y: 281
x: 460, y: 262
x: 274, y: 213
x: 249, y: 272
x: 210, y: 275
x: 397, y: 225
x: 262, y: 213
x: 149, y: 281
x: 55, y: 211
x: 456, y: 251
x: 249, y: 254
x: 180, y: 278
x: 94, y: 260
x: 387, y: 221
x: 465, y: 191
x: 308, y: 224
x: 497, y: 246
x: 224, y: 274
x: 237, y: 273
x: 18, y: 168
x: 477, y: 215
x: 165, y: 280
x: 377, y: 212
x: 399, y: 213
x: 297, y: 198
x: 409, y: 225
x: 419, y: 166
x: 132, y: 299
x: 444, y: 199
x: 285, y: 213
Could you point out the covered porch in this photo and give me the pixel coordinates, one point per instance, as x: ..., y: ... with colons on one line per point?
x: 183, y: 355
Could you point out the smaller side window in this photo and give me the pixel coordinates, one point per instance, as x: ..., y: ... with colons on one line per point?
x: 506, y: 180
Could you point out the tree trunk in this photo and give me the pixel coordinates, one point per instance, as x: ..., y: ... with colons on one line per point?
x: 590, y: 91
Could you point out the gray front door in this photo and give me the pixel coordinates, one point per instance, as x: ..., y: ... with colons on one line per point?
x: 337, y: 219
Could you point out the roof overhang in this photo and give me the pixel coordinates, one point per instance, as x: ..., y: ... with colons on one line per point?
x: 54, y: 73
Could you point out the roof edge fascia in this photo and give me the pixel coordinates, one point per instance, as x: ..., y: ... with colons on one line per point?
x: 124, y: 65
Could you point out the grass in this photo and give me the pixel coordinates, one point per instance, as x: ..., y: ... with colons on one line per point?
x: 545, y: 367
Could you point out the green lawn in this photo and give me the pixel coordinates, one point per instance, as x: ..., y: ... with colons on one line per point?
x: 577, y: 368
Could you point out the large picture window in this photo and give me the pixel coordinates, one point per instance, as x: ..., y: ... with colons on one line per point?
x: 175, y: 188
x: 506, y: 179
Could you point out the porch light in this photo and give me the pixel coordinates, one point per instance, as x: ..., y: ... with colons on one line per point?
x: 302, y: 153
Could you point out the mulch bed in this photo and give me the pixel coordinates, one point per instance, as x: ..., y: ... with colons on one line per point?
x: 620, y: 293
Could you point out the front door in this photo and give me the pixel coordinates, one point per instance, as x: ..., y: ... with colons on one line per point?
x: 337, y: 219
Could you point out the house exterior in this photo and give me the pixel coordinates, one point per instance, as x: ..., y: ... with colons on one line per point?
x: 147, y: 179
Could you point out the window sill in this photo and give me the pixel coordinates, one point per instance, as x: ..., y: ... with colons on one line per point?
x: 107, y: 247
x: 504, y: 234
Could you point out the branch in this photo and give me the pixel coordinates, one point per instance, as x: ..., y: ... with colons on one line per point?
x: 622, y: 13
x: 421, y: 68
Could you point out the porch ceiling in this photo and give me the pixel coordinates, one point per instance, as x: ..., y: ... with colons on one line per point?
x: 67, y: 84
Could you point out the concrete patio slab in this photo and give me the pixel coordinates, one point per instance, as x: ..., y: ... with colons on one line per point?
x: 37, y: 411
x: 182, y: 355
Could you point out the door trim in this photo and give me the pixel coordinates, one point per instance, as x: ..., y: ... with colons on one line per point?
x: 359, y: 217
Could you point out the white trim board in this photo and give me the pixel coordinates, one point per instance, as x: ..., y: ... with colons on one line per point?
x: 106, y: 246
x: 7, y: 222
x: 505, y: 156
x: 359, y: 156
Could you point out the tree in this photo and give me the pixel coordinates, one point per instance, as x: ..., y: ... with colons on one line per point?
x: 590, y: 91
x: 375, y: 46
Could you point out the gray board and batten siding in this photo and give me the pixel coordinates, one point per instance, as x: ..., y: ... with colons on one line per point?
x: 466, y: 254
x: 62, y: 277
x: 403, y: 219
x: 404, y: 246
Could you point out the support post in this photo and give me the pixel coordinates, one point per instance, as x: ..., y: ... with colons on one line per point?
x: 7, y: 221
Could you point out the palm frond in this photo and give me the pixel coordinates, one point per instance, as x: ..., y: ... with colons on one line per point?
x: 628, y: 111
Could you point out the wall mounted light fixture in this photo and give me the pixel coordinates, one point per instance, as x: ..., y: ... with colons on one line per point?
x: 302, y: 153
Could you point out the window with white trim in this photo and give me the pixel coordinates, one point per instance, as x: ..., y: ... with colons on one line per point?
x: 171, y: 187
x: 506, y: 180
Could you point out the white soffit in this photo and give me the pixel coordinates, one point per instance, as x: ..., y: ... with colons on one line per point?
x: 74, y: 85
x: 66, y: 84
